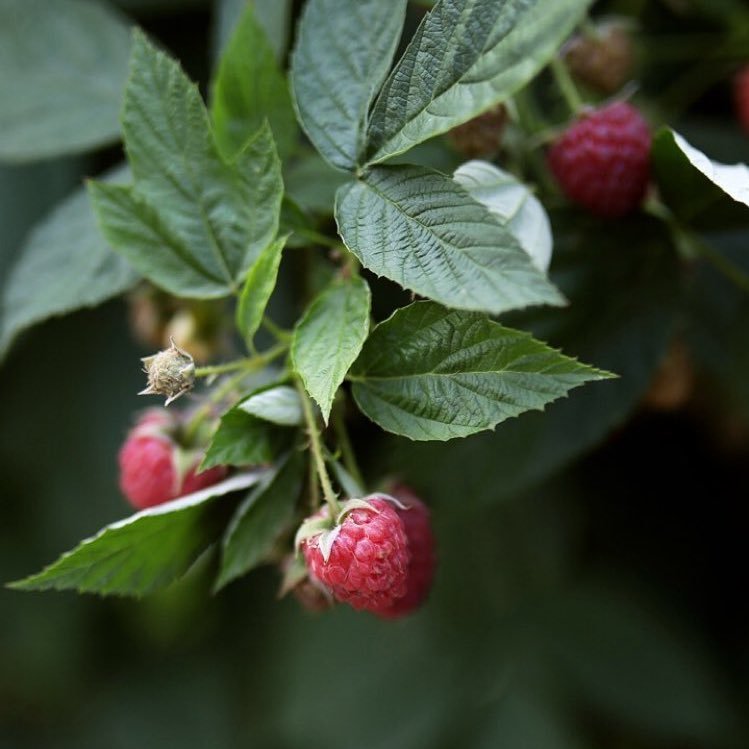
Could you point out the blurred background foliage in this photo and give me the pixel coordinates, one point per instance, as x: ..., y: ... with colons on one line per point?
x: 594, y: 606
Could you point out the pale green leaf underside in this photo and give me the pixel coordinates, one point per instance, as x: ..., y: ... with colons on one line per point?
x: 280, y: 405
x: 257, y: 290
x: 429, y: 373
x: 260, y: 520
x: 250, y: 88
x: 329, y: 337
x: 218, y: 215
x: 424, y: 231
x: 146, y: 551
x: 699, y: 191
x: 343, y: 53
x: 733, y: 179
x: 466, y: 56
x: 513, y: 204
x: 64, y: 265
x: 63, y: 65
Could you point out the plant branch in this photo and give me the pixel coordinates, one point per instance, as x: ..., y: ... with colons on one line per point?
x: 316, y: 448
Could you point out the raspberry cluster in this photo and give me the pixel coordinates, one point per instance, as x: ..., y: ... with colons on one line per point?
x: 154, y: 468
x: 379, y: 558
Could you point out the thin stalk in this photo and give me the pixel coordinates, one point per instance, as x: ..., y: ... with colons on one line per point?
x: 347, y: 450
x: 316, y: 448
x: 566, y: 86
x: 721, y: 264
x: 245, y: 366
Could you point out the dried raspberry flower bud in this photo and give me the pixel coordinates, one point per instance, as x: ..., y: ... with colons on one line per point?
x: 170, y: 372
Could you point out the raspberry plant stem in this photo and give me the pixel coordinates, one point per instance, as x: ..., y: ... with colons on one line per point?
x: 344, y: 443
x: 245, y: 366
x: 315, y: 445
x: 566, y: 86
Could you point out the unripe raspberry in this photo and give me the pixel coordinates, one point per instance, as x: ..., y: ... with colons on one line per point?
x: 673, y: 383
x: 741, y: 97
x: 154, y: 469
x: 602, y: 161
x: 481, y: 136
x: 603, y: 58
x: 418, y: 526
x: 362, y: 561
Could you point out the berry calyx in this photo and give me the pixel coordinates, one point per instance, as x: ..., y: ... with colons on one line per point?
x: 602, y: 161
x: 363, y: 558
x: 154, y: 469
x: 418, y: 526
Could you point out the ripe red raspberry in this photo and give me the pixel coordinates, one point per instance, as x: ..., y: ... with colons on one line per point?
x: 154, y: 469
x: 602, y: 161
x: 368, y: 558
x: 741, y: 96
x: 418, y: 526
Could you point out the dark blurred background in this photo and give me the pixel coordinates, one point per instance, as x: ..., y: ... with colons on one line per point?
x: 601, y: 608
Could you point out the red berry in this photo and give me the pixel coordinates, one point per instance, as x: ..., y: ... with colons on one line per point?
x: 150, y: 464
x: 602, y: 161
x: 368, y: 559
x: 741, y: 96
x: 418, y: 526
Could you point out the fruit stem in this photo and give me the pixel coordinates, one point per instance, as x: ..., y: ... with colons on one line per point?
x: 566, y: 86
x: 344, y: 443
x: 245, y: 366
x: 315, y: 445
x: 276, y: 330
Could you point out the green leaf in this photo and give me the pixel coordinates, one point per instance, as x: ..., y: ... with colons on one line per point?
x: 212, y: 217
x: 146, y: 551
x: 244, y: 440
x: 424, y: 231
x: 64, y: 265
x: 133, y: 227
x: 272, y: 15
x: 513, y: 204
x: 625, y: 297
x: 63, y: 66
x: 312, y: 183
x: 279, y: 405
x: 699, y: 191
x: 466, y: 56
x: 341, y: 57
x: 429, y: 373
x: 261, y: 519
x: 329, y: 337
x: 249, y: 89
x: 258, y: 288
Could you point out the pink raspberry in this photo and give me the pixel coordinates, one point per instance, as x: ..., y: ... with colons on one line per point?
x: 602, y: 161
x: 741, y: 97
x: 368, y: 559
x: 417, y: 523
x: 150, y: 462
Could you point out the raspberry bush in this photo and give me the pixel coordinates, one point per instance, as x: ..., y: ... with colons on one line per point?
x: 385, y: 257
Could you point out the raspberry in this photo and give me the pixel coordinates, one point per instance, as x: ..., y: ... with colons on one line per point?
x: 368, y: 559
x: 602, y: 161
x: 741, y: 96
x: 150, y: 464
x: 603, y: 58
x: 481, y: 136
x: 417, y: 524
